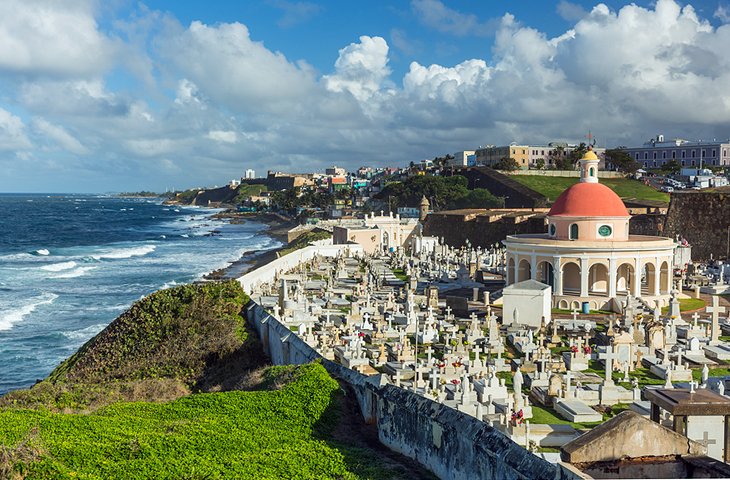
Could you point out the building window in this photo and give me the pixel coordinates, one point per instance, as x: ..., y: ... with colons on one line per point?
x: 591, y: 172
x: 637, y: 156
x: 573, y: 232
x: 646, y: 155
x: 654, y: 163
x: 714, y: 152
x: 664, y: 154
x: 552, y: 229
x: 724, y: 152
x: 704, y: 153
x: 693, y: 154
x: 684, y: 153
x: 674, y: 154
x: 605, y: 230
x: 654, y: 155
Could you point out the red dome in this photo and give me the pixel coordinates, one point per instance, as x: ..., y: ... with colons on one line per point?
x: 588, y: 200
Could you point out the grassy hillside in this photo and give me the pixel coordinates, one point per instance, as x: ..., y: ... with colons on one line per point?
x: 625, y: 188
x: 286, y: 433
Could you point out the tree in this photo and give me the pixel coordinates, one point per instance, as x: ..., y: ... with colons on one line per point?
x: 477, y: 198
x: 672, y: 166
x: 540, y: 163
x: 621, y: 160
x: 507, y: 164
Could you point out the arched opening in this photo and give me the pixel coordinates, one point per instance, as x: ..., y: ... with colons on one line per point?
x: 648, y: 277
x: 546, y: 273
x: 571, y: 279
x: 575, y: 305
x: 598, y: 279
x: 385, y: 241
x: 563, y: 304
x: 510, y: 271
x: 523, y: 271
x: 573, y: 231
x: 591, y: 172
x: 664, y: 279
x: 624, y: 278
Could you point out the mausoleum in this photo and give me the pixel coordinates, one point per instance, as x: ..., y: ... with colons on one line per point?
x: 587, y: 254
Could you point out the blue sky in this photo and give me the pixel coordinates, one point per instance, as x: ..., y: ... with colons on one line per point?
x: 107, y: 96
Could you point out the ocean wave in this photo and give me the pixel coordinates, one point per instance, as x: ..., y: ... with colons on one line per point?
x: 43, y: 252
x: 76, y: 272
x: 8, y: 318
x: 121, y: 253
x: 84, y: 333
x: 57, y: 267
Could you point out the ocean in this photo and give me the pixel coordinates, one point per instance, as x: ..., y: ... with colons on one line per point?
x: 70, y: 264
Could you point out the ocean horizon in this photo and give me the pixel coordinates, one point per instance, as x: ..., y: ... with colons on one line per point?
x: 71, y: 263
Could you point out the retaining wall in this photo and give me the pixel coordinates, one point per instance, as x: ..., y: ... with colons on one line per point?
x: 450, y: 443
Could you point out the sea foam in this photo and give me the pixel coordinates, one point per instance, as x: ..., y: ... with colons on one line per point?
x: 8, y: 318
x: 120, y: 253
x: 57, y: 267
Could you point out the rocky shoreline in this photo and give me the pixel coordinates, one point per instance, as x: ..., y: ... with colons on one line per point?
x: 278, y: 225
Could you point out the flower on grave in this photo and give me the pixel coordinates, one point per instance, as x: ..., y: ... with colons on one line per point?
x: 466, y: 342
x: 361, y: 335
x: 441, y: 365
x: 457, y: 364
x: 453, y: 343
x: 574, y: 348
x: 455, y: 381
x: 587, y: 349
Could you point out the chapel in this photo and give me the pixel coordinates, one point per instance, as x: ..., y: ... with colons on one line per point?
x: 587, y: 253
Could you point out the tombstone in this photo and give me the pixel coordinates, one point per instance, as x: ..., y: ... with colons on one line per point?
x: 526, y: 303
x: 715, y: 310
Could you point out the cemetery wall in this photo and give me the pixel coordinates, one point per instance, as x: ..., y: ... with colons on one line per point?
x: 266, y: 273
x: 450, y: 443
x: 703, y: 218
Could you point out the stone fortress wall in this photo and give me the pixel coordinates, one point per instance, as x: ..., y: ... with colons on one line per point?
x: 451, y: 444
x: 703, y: 218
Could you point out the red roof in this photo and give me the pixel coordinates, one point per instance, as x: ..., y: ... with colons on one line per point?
x: 588, y: 200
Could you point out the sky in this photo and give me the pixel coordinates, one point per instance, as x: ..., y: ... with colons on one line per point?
x: 119, y: 95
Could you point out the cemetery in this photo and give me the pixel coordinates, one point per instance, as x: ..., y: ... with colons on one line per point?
x: 470, y: 330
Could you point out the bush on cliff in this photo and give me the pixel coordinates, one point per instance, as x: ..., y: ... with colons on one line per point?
x: 174, y: 341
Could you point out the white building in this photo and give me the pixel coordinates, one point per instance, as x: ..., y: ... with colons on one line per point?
x: 250, y: 173
x: 335, y: 171
x: 527, y: 303
x: 658, y: 151
x: 465, y: 158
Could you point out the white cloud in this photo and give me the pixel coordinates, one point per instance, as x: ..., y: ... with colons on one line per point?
x: 60, y: 136
x: 570, y: 11
x: 46, y: 37
x: 436, y: 15
x: 233, y: 70
x: 223, y: 136
x: 722, y: 13
x: 361, y: 68
x: 12, y: 132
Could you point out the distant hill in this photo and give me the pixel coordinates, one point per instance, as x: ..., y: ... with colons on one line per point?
x: 552, y: 187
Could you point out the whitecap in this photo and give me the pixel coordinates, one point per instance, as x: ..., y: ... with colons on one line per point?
x: 76, y: 272
x: 42, y: 251
x: 8, y: 318
x: 57, y: 267
x: 84, y: 333
x: 121, y: 253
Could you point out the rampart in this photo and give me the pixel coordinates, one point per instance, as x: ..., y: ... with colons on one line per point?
x: 483, y: 228
x: 515, y: 194
x: 703, y: 218
x: 450, y: 443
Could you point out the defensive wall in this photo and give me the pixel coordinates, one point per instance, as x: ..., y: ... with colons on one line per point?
x: 703, y: 218
x: 482, y: 227
x: 515, y: 194
x: 451, y: 444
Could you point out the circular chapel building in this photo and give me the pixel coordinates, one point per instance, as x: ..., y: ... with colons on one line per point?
x: 587, y: 254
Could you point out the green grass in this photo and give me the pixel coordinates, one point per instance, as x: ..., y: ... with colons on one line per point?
x: 400, y: 274
x: 546, y: 415
x: 570, y: 312
x: 304, y: 240
x: 714, y: 372
x: 688, y: 305
x: 551, y: 187
x: 261, y: 435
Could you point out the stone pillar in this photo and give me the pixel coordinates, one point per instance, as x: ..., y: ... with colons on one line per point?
x: 533, y: 267
x: 516, y: 273
x: 583, y: 277
x: 558, y: 275
x: 637, y: 278
x: 611, y: 278
x: 657, y: 277
x: 670, y: 275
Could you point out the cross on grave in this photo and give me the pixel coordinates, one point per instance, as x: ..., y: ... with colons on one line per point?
x: 608, y: 357
x: 706, y: 440
x: 715, y: 310
x: 695, y: 318
x: 575, y: 313
x: 429, y: 351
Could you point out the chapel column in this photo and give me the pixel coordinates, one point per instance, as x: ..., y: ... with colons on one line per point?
x: 557, y: 276
x: 657, y: 277
x: 611, y: 277
x: 533, y: 267
x: 637, y: 277
x: 584, y: 277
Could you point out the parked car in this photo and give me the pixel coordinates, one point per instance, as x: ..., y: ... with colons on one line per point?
x: 667, y: 189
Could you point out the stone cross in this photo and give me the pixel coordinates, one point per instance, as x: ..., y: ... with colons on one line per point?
x: 706, y: 440
x: 608, y: 357
x: 575, y: 314
x: 715, y: 310
x: 695, y: 318
x: 429, y: 351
